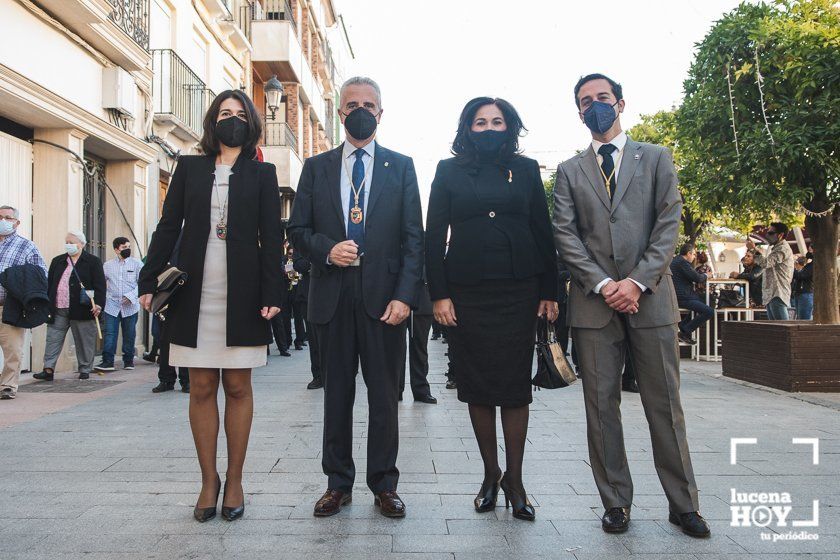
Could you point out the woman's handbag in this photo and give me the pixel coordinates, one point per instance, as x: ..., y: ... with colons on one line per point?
x: 169, y: 282
x: 553, y: 370
x: 730, y: 298
x: 85, y: 295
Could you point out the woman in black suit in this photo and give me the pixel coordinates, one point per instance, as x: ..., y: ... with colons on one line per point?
x: 496, y: 277
x: 68, y: 272
x: 231, y: 243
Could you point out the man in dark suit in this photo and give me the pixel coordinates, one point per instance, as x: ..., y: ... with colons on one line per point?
x: 419, y: 326
x: 616, y: 219
x: 685, y: 279
x: 303, y: 266
x: 357, y: 218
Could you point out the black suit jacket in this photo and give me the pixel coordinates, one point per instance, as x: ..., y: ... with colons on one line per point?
x: 393, y: 259
x: 685, y: 277
x: 254, y: 247
x: 455, y: 205
x: 90, y: 271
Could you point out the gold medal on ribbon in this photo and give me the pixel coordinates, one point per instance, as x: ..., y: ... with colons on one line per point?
x: 356, y: 215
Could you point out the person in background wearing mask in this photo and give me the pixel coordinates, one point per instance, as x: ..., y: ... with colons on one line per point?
x: 15, y: 250
x: 224, y: 205
x: 802, y: 298
x: 357, y: 219
x: 75, y: 278
x: 617, y: 220
x: 121, y: 305
x: 497, y: 277
x: 778, y: 271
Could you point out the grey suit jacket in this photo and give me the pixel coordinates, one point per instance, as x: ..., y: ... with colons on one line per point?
x: 632, y: 236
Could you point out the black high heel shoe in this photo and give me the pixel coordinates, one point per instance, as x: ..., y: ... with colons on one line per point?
x: 203, y: 514
x: 522, y: 508
x: 487, y: 496
x: 232, y: 513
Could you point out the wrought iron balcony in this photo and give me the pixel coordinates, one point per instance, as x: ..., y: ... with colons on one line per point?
x: 275, y: 10
x: 178, y: 92
x: 132, y: 16
x: 279, y: 134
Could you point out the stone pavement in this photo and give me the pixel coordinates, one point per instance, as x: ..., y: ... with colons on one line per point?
x: 112, y: 474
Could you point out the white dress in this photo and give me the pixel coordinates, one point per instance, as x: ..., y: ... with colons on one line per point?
x: 212, y: 351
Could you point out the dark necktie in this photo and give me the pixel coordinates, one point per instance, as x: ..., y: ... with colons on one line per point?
x: 356, y: 232
x: 608, y: 166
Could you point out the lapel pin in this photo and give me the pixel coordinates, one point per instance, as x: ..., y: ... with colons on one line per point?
x: 637, y: 156
x: 386, y: 164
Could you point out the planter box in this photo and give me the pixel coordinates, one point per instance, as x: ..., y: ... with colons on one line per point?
x: 788, y: 355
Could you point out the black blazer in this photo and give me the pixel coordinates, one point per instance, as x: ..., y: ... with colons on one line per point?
x: 393, y: 260
x: 89, y: 268
x: 455, y: 205
x: 685, y: 277
x: 254, y: 247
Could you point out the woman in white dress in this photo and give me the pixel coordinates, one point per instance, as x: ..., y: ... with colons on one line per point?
x: 225, y: 207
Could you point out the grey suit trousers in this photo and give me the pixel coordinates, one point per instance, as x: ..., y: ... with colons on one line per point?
x: 655, y: 356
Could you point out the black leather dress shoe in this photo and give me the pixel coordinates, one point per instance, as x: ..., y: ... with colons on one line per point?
x: 389, y: 504
x: 84, y: 376
x: 428, y: 399
x: 616, y: 520
x: 692, y: 524
x: 450, y: 384
x: 163, y: 387
x: 315, y: 384
x: 331, y: 503
x: 285, y: 353
x: 43, y: 376
x: 630, y: 386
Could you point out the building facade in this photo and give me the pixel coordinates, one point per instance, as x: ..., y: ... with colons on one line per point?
x: 98, y: 98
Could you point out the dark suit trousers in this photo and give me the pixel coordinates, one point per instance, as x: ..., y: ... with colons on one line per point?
x: 418, y: 356
x: 314, y: 351
x: 279, y: 329
x: 656, y: 362
x: 353, y: 336
x: 286, y: 318
x: 166, y: 373
x: 299, y: 313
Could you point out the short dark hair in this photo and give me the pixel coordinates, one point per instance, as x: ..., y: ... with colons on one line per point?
x: 686, y: 248
x: 209, y: 142
x: 119, y: 241
x: 781, y: 228
x: 615, y: 86
x: 465, y: 149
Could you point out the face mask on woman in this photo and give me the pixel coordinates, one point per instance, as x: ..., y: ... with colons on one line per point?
x: 232, y: 132
x: 71, y: 248
x: 489, y: 142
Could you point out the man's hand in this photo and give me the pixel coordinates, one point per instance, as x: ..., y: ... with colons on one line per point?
x: 750, y: 244
x: 395, y: 313
x: 146, y: 302
x: 445, y: 313
x: 623, y: 296
x: 548, y: 309
x: 268, y: 313
x: 733, y: 275
x: 343, y: 253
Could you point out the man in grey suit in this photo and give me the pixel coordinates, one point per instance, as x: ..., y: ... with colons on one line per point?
x: 616, y: 219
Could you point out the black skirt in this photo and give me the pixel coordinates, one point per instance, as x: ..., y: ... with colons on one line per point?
x: 492, y: 348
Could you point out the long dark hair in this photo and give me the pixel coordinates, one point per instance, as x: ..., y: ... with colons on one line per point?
x: 209, y: 142
x: 465, y: 150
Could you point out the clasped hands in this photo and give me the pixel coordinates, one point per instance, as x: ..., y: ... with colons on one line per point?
x: 623, y: 296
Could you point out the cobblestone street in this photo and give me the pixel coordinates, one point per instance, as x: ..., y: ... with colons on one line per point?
x: 112, y: 474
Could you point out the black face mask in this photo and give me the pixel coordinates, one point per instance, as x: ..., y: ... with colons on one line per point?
x: 489, y: 142
x: 232, y: 132
x: 125, y: 253
x: 360, y: 123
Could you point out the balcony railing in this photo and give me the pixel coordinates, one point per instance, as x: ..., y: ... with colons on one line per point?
x: 279, y: 134
x: 242, y: 11
x: 275, y: 10
x: 178, y: 91
x: 132, y: 16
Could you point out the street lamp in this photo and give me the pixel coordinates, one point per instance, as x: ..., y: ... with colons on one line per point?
x: 273, y: 94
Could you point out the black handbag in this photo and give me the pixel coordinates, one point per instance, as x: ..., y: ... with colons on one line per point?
x: 730, y: 298
x: 169, y: 282
x: 84, y: 298
x: 553, y: 370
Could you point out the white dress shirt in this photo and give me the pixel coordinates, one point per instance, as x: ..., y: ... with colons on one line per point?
x: 619, y: 142
x: 347, y: 161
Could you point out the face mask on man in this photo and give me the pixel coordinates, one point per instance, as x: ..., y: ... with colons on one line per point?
x: 232, y: 132
x: 125, y: 253
x: 599, y: 117
x: 6, y: 227
x: 71, y: 248
x: 360, y: 123
x: 489, y: 142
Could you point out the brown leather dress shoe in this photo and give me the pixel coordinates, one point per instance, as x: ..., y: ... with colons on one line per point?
x: 331, y: 502
x: 389, y: 504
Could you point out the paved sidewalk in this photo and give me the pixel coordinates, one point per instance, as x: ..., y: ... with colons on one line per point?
x: 113, y: 475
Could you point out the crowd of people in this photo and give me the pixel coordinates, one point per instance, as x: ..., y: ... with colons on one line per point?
x: 356, y: 277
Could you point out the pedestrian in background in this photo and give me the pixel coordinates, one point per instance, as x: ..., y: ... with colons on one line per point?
x: 802, y: 298
x: 121, y: 305
x: 15, y: 250
x: 74, y: 277
x: 686, y: 282
x: 419, y: 325
x: 752, y: 274
x: 778, y: 271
